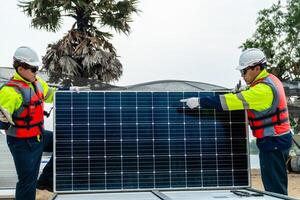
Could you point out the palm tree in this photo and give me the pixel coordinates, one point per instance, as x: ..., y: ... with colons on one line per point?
x: 85, y: 51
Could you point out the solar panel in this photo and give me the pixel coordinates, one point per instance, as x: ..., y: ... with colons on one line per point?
x: 146, y: 140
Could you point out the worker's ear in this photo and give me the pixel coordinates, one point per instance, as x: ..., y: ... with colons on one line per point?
x: 20, y: 69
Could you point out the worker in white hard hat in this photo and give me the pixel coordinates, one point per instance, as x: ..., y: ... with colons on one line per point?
x: 265, y: 102
x: 22, y: 116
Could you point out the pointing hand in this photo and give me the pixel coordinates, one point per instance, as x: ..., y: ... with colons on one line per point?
x: 192, y: 102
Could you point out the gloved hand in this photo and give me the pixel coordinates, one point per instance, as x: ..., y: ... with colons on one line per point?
x: 192, y: 102
x: 4, y: 122
x: 2, y: 117
x: 239, y: 87
x: 5, y: 116
x: 78, y: 89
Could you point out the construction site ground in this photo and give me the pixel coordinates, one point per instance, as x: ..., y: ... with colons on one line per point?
x: 293, y: 182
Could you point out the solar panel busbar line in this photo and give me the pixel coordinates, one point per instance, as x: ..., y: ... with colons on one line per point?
x: 119, y: 141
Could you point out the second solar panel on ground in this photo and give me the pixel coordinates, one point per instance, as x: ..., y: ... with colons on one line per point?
x: 146, y: 140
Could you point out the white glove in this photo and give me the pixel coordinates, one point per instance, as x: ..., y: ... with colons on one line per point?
x: 239, y: 87
x: 2, y: 117
x: 5, y: 116
x: 192, y: 102
x: 78, y: 89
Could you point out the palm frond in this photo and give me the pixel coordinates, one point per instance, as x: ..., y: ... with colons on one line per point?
x: 83, y: 56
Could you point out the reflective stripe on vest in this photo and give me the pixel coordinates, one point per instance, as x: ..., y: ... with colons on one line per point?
x: 29, y: 118
x: 273, y: 121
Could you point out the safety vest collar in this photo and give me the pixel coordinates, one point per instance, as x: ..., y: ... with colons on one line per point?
x: 263, y: 74
x: 18, y: 77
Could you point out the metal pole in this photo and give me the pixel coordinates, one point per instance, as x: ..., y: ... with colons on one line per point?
x: 296, y: 143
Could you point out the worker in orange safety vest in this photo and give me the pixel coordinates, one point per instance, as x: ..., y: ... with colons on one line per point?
x: 22, y: 117
x: 265, y: 102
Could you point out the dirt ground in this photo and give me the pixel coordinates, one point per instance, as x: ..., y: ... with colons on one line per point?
x: 293, y: 183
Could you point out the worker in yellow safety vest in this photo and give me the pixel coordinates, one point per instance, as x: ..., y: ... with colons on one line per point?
x: 265, y: 102
x: 22, y: 117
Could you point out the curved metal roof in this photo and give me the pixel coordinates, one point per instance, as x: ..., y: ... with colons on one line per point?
x: 2, y: 81
x: 175, y: 85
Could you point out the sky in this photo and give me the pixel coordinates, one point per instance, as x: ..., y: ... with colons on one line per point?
x: 194, y: 40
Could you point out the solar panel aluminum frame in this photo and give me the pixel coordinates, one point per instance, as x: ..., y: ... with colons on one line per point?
x: 148, y: 189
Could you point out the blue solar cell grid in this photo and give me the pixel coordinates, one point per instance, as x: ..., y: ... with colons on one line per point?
x: 146, y: 140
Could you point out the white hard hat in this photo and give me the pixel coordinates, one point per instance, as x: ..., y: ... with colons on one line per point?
x: 27, y: 55
x: 251, y: 57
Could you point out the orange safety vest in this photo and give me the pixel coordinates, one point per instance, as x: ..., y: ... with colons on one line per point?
x: 29, y: 118
x: 273, y: 121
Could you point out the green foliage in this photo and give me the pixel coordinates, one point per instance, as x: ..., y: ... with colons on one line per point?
x: 278, y: 35
x: 295, y: 124
x: 85, y: 51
